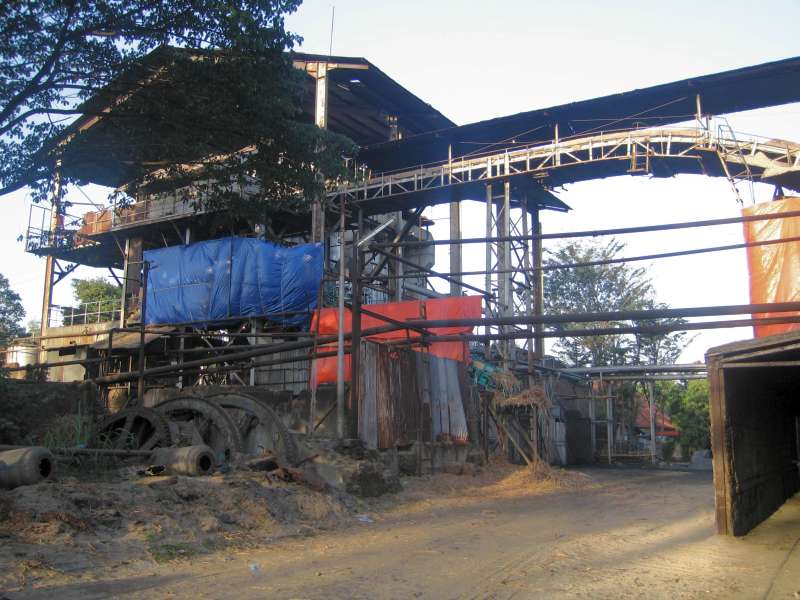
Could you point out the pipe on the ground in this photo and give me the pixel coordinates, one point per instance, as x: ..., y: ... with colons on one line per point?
x: 189, y: 460
x: 25, y: 466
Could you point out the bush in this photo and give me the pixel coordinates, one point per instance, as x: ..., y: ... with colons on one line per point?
x: 668, y: 450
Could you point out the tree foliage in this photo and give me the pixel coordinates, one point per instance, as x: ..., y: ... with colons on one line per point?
x: 97, y: 291
x: 688, y: 408
x: 11, y: 312
x: 222, y: 107
x: 600, y: 287
x: 33, y: 327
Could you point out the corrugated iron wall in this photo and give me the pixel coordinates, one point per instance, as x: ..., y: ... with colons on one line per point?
x: 406, y: 395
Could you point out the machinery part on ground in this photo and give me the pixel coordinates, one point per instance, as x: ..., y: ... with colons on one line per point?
x: 136, y: 428
x: 260, y: 427
x: 25, y: 466
x: 195, y: 421
x: 189, y: 460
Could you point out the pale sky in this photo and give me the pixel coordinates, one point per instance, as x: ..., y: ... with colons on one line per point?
x: 475, y: 61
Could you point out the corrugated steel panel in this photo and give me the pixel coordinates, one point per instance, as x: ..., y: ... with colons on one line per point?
x: 367, y: 418
x: 403, y: 392
x: 456, y: 416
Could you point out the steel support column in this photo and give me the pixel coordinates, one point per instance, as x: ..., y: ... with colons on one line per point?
x: 651, y: 396
x: 488, y: 265
x: 455, y: 249
x: 321, y: 120
x: 355, y: 340
x: 526, y: 261
x: 505, y: 300
x: 610, y: 427
x: 47, y: 293
x: 538, y: 283
x: 340, y: 399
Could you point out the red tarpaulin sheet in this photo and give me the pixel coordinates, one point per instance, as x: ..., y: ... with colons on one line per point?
x: 775, y: 268
x: 462, y: 307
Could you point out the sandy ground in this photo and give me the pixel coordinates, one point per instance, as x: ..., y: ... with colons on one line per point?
x: 597, y: 533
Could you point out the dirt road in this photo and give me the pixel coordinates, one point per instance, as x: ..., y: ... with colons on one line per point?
x: 621, y: 534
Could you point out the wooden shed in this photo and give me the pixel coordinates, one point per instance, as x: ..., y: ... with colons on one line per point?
x: 755, y: 428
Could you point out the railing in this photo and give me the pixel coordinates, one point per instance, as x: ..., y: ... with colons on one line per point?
x: 636, y: 146
x: 751, y: 155
x: 101, y: 311
x: 75, y: 232
x: 40, y: 232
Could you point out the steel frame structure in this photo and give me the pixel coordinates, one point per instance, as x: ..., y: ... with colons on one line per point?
x: 739, y: 157
x: 511, y: 179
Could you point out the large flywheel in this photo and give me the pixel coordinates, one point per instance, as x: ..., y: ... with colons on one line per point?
x: 197, y: 420
x: 260, y: 427
x: 132, y: 429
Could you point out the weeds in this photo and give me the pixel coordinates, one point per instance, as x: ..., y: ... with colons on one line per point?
x: 168, y: 552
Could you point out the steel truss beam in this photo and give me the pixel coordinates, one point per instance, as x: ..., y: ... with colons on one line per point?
x: 742, y: 157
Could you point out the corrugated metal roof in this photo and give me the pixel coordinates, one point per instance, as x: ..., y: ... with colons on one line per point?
x: 768, y: 84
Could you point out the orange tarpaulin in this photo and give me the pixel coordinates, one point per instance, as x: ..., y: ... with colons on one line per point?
x: 775, y: 268
x: 462, y: 307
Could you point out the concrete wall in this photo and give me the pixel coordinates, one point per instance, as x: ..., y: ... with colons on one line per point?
x: 67, y: 373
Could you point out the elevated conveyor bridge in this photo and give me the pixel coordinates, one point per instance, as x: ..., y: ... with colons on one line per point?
x: 659, y: 152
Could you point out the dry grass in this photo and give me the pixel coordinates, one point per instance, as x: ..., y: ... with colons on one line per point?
x: 498, y: 480
x: 540, y: 477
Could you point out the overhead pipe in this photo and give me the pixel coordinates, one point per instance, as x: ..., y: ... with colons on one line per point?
x: 597, y: 232
x: 608, y: 316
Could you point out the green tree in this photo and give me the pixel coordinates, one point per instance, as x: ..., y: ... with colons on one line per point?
x: 222, y: 106
x: 33, y: 327
x: 658, y: 348
x: 690, y: 413
x: 11, y: 312
x: 98, y: 293
x: 599, y: 286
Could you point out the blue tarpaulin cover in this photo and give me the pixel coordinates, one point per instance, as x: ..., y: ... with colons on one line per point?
x: 232, y: 277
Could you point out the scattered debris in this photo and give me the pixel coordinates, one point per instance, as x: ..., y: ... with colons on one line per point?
x: 372, y: 480
x: 364, y: 519
x: 152, y: 471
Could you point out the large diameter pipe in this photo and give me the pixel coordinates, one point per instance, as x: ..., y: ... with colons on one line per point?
x: 598, y: 232
x: 25, y: 466
x: 612, y: 316
x: 586, y: 332
x: 190, y: 460
x: 244, y: 355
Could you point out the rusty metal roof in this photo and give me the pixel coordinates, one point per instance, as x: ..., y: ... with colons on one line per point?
x: 359, y: 101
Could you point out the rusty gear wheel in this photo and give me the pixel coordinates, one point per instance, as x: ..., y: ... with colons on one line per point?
x: 132, y: 429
